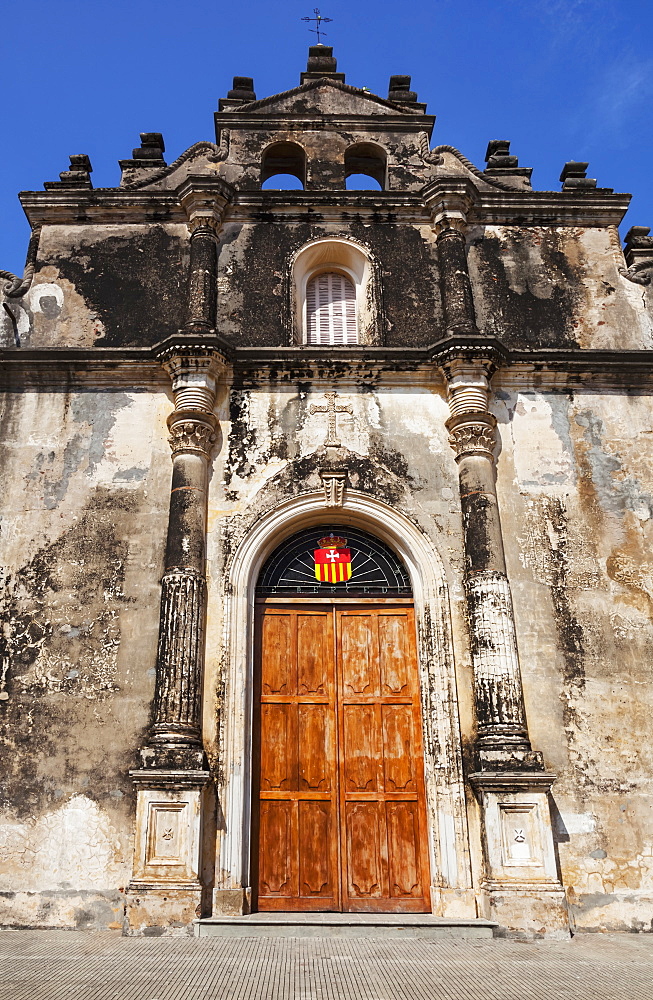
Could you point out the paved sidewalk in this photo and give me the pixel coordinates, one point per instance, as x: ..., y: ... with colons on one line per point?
x: 71, y: 965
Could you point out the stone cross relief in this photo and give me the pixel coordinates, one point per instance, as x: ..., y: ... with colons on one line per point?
x: 331, y: 410
x: 333, y: 480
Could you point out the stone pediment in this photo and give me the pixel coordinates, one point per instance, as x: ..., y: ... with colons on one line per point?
x: 324, y: 97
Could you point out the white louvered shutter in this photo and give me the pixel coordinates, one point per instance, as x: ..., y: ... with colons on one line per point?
x: 331, y: 309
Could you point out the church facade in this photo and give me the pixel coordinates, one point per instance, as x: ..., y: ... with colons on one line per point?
x: 378, y: 638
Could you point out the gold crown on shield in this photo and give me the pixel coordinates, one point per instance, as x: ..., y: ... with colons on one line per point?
x: 332, y: 542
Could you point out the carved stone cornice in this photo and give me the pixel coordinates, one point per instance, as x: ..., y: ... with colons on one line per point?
x: 195, y: 371
x: 191, y: 433
x: 472, y: 434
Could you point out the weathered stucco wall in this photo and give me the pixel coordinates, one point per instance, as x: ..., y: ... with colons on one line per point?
x: 83, y: 520
x: 555, y: 287
x: 83, y: 533
x: 576, y: 493
x: 110, y: 286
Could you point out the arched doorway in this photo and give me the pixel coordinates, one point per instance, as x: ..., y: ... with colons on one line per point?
x: 339, y: 808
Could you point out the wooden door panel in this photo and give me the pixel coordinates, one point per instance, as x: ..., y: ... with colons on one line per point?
x: 342, y: 818
x: 317, y: 862
x: 279, y: 770
x: 313, y: 655
x: 398, y: 748
x: 298, y: 807
x: 278, y: 862
x: 394, y: 659
x: 380, y: 762
x: 366, y: 851
x: 279, y: 666
x: 361, y: 753
x: 404, y: 849
x: 316, y: 748
x: 359, y: 666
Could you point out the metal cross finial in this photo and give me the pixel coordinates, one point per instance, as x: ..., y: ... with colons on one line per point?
x: 318, y: 21
x: 331, y: 410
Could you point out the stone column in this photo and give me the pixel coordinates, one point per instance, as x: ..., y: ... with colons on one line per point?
x: 173, y: 783
x: 202, y: 275
x: 520, y: 886
x: 175, y: 737
x: 174, y: 812
x: 502, y: 732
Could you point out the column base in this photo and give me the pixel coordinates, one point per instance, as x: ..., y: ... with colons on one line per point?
x: 526, y: 911
x: 454, y: 904
x: 155, y: 911
x: 166, y: 892
x: 232, y: 902
x: 521, y: 889
x: 500, y: 759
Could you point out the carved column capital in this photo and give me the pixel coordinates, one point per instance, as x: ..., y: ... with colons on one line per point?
x: 191, y: 433
x: 450, y: 226
x: 205, y: 206
x: 207, y: 224
x: 472, y: 434
x: 449, y: 211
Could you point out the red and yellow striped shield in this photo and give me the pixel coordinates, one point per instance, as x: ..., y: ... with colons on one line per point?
x: 332, y: 560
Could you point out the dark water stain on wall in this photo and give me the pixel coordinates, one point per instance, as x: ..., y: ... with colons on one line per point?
x: 61, y: 727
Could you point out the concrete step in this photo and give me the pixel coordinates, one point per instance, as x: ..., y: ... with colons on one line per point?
x: 399, y: 925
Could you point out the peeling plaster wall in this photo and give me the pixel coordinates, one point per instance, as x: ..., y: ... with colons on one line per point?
x: 576, y: 494
x: 82, y: 528
x: 556, y: 287
x: 254, y: 302
x: 108, y: 286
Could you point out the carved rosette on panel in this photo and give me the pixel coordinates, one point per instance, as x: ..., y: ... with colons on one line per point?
x: 191, y: 433
x: 177, y: 706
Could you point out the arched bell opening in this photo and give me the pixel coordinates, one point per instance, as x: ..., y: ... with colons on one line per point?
x: 282, y: 161
x: 366, y: 159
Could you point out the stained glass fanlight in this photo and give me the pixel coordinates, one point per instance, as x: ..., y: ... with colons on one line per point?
x: 375, y: 568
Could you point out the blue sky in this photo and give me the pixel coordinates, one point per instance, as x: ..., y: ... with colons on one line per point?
x: 563, y: 79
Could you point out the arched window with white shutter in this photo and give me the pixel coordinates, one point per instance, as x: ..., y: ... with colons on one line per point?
x: 335, y: 295
x: 331, y: 309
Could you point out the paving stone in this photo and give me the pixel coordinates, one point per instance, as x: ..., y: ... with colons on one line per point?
x: 69, y: 965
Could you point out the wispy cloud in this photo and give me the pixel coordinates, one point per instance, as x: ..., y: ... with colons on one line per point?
x: 616, y: 103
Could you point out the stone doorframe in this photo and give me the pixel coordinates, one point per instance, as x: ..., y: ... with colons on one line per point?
x: 452, y: 894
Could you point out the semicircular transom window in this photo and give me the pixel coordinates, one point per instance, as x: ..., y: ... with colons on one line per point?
x: 331, y: 309
x: 334, y: 560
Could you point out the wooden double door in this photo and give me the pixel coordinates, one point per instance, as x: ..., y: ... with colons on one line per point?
x: 340, y: 786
